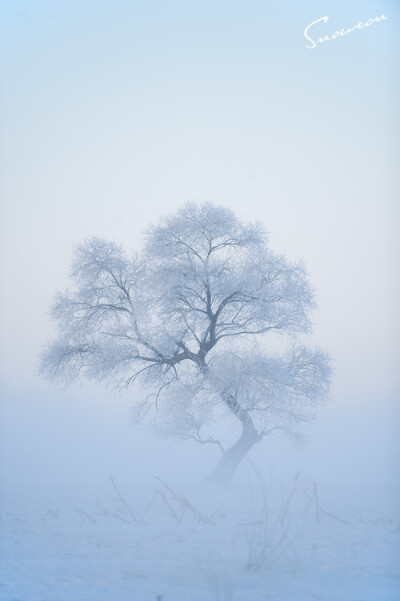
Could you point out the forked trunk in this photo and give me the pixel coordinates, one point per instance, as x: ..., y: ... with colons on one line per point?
x: 231, y: 458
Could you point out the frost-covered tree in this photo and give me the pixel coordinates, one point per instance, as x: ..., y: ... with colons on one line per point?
x: 195, y: 318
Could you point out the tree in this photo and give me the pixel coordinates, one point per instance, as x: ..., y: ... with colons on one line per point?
x: 191, y: 318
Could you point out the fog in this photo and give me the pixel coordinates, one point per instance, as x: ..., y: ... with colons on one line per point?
x: 113, y: 114
x: 60, y: 449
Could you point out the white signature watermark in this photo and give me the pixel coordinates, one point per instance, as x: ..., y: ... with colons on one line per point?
x: 339, y: 33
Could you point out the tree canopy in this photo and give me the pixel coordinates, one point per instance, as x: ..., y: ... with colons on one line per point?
x: 195, y: 318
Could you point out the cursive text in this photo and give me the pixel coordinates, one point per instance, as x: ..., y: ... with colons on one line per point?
x: 339, y: 33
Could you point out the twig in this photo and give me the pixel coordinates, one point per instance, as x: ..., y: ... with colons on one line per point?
x: 209, y: 440
x: 335, y: 517
x: 115, y: 515
x: 316, y: 500
x: 285, y: 508
x: 85, y: 516
x: 122, y: 499
x: 184, y: 504
x: 160, y: 493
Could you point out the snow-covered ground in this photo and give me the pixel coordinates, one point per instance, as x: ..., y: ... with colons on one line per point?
x: 70, y: 533
x: 172, y: 542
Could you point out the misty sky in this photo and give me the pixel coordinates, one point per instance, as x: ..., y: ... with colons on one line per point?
x: 113, y: 113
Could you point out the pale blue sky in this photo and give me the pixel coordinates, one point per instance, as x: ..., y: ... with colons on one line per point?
x: 115, y: 112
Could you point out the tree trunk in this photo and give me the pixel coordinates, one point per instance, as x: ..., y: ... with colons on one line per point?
x: 231, y: 458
